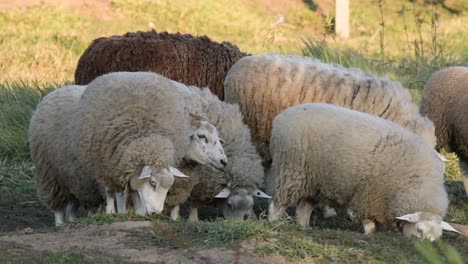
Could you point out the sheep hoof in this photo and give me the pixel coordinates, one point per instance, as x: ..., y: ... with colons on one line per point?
x: 110, y: 209
x: 193, y: 214
x: 175, y: 213
x: 303, y: 211
x: 369, y: 226
x: 59, y: 217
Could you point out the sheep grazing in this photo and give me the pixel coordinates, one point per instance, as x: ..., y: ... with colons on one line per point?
x: 197, y: 61
x: 132, y: 131
x: 263, y: 85
x: 234, y: 187
x: 445, y: 102
x: 60, y: 180
x: 376, y: 168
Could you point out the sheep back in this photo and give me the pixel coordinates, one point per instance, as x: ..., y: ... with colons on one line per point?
x: 127, y: 120
x: 263, y: 85
x: 197, y: 61
x: 375, y: 167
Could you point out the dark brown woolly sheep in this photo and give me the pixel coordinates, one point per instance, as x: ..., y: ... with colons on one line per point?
x: 191, y: 60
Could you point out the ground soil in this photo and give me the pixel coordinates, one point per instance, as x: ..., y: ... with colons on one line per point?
x: 126, y: 241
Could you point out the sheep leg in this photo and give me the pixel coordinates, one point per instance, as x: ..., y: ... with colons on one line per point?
x: 137, y: 204
x: 110, y: 201
x: 464, y: 171
x: 369, y: 226
x: 175, y: 213
x: 193, y: 214
x: 120, y: 197
x: 71, y: 210
x: 303, y: 211
x: 275, y: 213
x: 328, y: 211
x: 59, y: 217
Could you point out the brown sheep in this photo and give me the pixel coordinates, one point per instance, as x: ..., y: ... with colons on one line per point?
x: 445, y: 102
x: 191, y: 60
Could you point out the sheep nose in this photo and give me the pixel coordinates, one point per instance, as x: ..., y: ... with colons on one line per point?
x: 223, y: 162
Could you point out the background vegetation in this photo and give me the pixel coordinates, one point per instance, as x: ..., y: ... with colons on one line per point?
x: 406, y: 40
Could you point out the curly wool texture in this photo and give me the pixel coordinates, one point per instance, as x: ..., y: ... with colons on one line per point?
x: 244, y: 168
x: 372, y: 166
x: 264, y: 85
x: 445, y: 102
x: 127, y: 120
x: 197, y: 61
x: 60, y: 178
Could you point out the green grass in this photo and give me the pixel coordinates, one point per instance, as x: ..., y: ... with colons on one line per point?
x: 102, y: 218
x: 319, y: 244
x: 339, y: 240
x: 44, y: 42
x: 17, y: 102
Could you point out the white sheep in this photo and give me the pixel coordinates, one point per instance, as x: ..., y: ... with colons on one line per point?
x: 76, y: 140
x: 376, y: 168
x: 127, y: 121
x: 60, y: 180
x: 232, y: 188
x: 244, y: 174
x: 445, y: 102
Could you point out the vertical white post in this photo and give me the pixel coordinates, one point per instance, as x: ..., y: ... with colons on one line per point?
x: 342, y: 18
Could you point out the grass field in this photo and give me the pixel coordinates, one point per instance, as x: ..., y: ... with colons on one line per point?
x: 40, y: 45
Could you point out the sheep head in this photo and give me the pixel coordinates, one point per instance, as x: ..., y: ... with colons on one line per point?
x: 424, y: 225
x: 238, y: 202
x: 205, y: 146
x: 151, y: 187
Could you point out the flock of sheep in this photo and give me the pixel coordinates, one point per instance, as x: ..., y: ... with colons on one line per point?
x: 156, y: 120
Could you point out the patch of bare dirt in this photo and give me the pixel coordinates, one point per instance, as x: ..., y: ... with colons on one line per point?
x: 22, y: 211
x: 120, y: 240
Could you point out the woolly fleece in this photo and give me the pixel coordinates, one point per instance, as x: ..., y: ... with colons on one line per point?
x: 263, y: 85
x: 191, y: 60
x: 372, y: 166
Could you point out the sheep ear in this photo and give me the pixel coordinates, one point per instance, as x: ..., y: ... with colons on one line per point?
x: 442, y: 157
x: 224, y: 193
x: 413, y: 218
x: 145, y: 172
x: 261, y: 194
x: 447, y: 227
x: 222, y: 141
x: 177, y: 173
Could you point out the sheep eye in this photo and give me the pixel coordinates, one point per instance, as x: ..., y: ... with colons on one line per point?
x: 153, y: 184
x: 203, y: 137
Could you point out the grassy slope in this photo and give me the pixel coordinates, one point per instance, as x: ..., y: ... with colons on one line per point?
x: 41, y: 46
